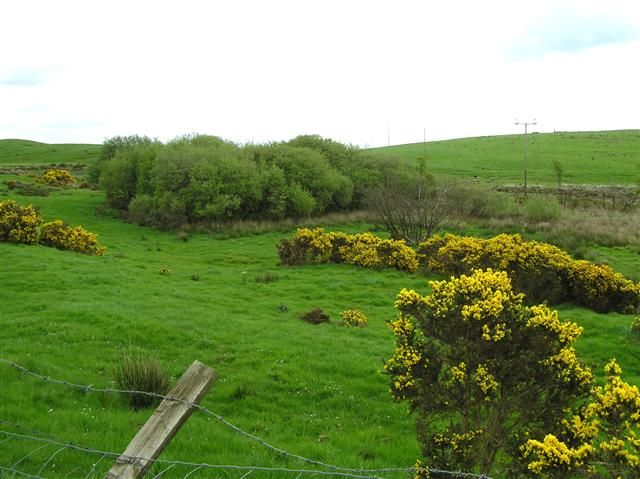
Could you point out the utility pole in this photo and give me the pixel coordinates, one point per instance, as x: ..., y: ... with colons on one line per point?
x: 526, y: 124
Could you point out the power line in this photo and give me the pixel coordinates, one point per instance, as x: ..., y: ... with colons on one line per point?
x: 526, y: 124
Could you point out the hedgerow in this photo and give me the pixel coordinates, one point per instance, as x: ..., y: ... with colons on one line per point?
x: 541, y: 271
x: 364, y: 249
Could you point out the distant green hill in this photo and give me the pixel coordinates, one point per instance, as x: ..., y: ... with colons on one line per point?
x: 602, y: 157
x: 22, y: 152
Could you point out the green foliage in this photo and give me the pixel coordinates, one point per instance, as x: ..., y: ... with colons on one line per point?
x: 635, y: 329
x: 542, y: 208
x: 314, y: 316
x: 144, y: 375
x: 481, y: 371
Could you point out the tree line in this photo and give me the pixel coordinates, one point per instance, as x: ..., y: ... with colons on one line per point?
x: 199, y: 178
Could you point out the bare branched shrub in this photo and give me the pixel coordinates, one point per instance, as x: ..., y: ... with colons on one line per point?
x: 409, y: 209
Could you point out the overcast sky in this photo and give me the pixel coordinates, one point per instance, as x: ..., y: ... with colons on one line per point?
x: 362, y: 72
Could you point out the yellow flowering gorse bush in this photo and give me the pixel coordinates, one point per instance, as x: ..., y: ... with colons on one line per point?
x: 58, y: 235
x: 57, y: 177
x: 477, y: 366
x: 354, y: 317
x: 541, y: 271
x: 601, y: 440
x: 364, y: 249
x: 18, y: 224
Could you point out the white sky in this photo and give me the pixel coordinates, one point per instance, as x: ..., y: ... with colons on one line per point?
x: 354, y: 71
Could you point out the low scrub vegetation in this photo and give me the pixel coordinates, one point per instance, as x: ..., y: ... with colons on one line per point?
x: 354, y: 318
x: 20, y: 224
x: 541, y: 271
x: 485, y: 375
x: 138, y: 375
x: 57, y: 177
x: 315, y: 316
x: 364, y: 249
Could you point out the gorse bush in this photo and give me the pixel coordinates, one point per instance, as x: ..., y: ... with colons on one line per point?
x: 364, y: 249
x: 57, y: 177
x: 354, y: 318
x: 18, y: 224
x: 601, y: 288
x: 482, y: 372
x: 602, y: 439
x: 536, y: 269
x: 541, y: 271
x: 58, y: 235
x: 135, y: 373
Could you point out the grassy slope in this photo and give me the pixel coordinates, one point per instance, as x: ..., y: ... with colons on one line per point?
x: 24, y: 152
x: 607, y: 157
x: 313, y: 390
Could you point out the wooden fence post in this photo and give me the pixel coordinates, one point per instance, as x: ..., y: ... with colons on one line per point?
x: 163, y: 425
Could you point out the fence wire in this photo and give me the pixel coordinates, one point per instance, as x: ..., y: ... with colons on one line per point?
x: 331, y: 470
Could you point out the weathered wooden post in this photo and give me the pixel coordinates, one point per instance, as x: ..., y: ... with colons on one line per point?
x: 165, y: 422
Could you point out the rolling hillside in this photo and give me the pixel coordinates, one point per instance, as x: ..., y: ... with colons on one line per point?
x: 25, y: 152
x: 604, y: 157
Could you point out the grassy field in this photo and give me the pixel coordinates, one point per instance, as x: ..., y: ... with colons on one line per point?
x: 607, y: 157
x: 25, y: 152
x: 318, y: 391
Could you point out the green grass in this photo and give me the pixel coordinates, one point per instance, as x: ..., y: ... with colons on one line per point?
x: 603, y: 157
x: 25, y: 152
x: 317, y: 391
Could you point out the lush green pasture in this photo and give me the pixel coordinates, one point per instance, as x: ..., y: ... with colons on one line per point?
x: 25, y: 152
x: 318, y: 391
x: 606, y: 157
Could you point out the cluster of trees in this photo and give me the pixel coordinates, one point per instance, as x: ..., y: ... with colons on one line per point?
x: 204, y: 178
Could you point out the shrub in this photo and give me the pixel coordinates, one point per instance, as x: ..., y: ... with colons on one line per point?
x: 58, y: 235
x: 144, y: 375
x: 541, y: 271
x: 57, y: 177
x: 600, y: 440
x: 306, y: 246
x: 354, y: 317
x: 602, y: 289
x: 364, y: 249
x: 542, y: 208
x: 536, y: 269
x: 315, y: 316
x: 481, y: 371
x: 18, y: 224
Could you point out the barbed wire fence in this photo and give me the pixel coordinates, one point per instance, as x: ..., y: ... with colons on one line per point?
x: 42, y: 448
